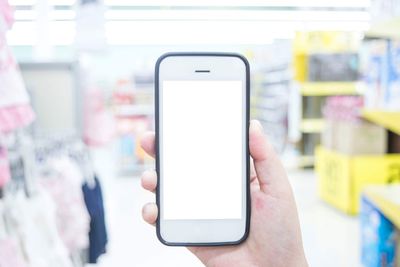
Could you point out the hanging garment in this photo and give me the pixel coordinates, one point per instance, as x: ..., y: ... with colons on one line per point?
x: 99, y: 123
x: 98, y: 234
x: 14, y: 117
x: 5, y: 175
x: 10, y: 254
x: 15, y: 109
x: 12, y: 89
x: 71, y: 214
x: 6, y: 15
x: 33, y: 221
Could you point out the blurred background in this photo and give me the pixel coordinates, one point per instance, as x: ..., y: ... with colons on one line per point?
x: 76, y: 95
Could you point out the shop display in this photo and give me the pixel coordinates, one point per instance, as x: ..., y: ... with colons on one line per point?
x: 378, y: 237
x: 341, y: 178
x: 346, y: 132
x: 99, y: 123
x: 15, y: 109
x: 325, y: 64
x: 5, y: 175
x: 333, y: 67
x: 47, y: 217
x: 270, y: 87
x: 63, y: 183
x: 381, y: 74
x: 133, y: 109
x: 98, y: 238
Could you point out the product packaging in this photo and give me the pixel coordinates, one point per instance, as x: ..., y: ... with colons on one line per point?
x: 374, y: 66
x: 360, y: 138
x: 333, y: 67
x: 347, y: 133
x: 378, y: 237
x: 392, y: 91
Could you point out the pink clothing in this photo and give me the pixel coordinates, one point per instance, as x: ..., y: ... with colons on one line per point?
x: 10, y: 255
x: 99, y: 123
x: 12, y: 87
x: 15, y: 110
x: 15, y: 117
x: 6, y: 14
x: 66, y: 191
x: 5, y: 175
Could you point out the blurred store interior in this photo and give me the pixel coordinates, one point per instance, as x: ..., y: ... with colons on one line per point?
x: 76, y: 95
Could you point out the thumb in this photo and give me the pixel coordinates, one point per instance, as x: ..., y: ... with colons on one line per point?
x: 270, y: 172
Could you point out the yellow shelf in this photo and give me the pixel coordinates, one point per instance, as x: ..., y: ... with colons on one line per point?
x: 387, y: 200
x: 387, y: 29
x: 328, y: 88
x: 388, y: 119
x: 312, y: 125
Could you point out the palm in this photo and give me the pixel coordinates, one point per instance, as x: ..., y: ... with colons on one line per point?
x: 266, y: 224
x: 275, y: 237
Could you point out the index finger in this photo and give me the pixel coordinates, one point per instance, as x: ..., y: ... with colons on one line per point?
x: 148, y: 143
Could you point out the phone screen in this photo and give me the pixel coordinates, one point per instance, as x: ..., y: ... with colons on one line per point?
x: 202, y: 145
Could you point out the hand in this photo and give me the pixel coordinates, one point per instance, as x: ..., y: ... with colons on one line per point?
x: 275, y: 236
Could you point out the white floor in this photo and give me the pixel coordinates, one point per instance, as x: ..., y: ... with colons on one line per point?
x: 330, y: 238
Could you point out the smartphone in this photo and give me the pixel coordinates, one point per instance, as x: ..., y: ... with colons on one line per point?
x: 202, y: 148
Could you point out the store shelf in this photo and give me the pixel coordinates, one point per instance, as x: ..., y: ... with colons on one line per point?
x: 328, y: 88
x: 385, y: 29
x: 388, y: 119
x: 305, y: 161
x: 134, y: 110
x: 312, y: 125
x: 387, y: 200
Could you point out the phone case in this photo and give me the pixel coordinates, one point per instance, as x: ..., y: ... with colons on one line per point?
x: 156, y: 102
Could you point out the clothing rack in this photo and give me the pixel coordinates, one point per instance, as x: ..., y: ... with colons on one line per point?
x: 26, y: 155
x: 47, y: 146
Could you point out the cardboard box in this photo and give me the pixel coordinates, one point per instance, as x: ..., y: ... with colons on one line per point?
x: 359, y: 138
x: 378, y: 237
x: 341, y: 178
x: 354, y: 137
x: 328, y: 134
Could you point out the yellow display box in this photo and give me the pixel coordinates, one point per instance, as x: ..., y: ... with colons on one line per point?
x: 342, y: 178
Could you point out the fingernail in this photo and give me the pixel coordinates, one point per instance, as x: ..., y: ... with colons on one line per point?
x: 257, y: 125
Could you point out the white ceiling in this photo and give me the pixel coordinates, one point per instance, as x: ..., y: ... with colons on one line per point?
x: 191, y: 22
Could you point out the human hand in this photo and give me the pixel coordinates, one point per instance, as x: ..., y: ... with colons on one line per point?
x: 275, y: 236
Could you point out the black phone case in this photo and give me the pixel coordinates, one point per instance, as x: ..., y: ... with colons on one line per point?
x: 156, y: 102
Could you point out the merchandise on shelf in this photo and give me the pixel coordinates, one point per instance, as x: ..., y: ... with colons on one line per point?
x: 378, y: 237
x: 392, y: 92
x: 99, y: 123
x: 133, y: 109
x: 346, y: 132
x: 325, y: 64
x: 333, y: 67
x: 398, y: 249
x: 381, y: 74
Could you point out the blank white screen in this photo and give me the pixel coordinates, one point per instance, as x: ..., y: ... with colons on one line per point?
x: 201, y: 149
